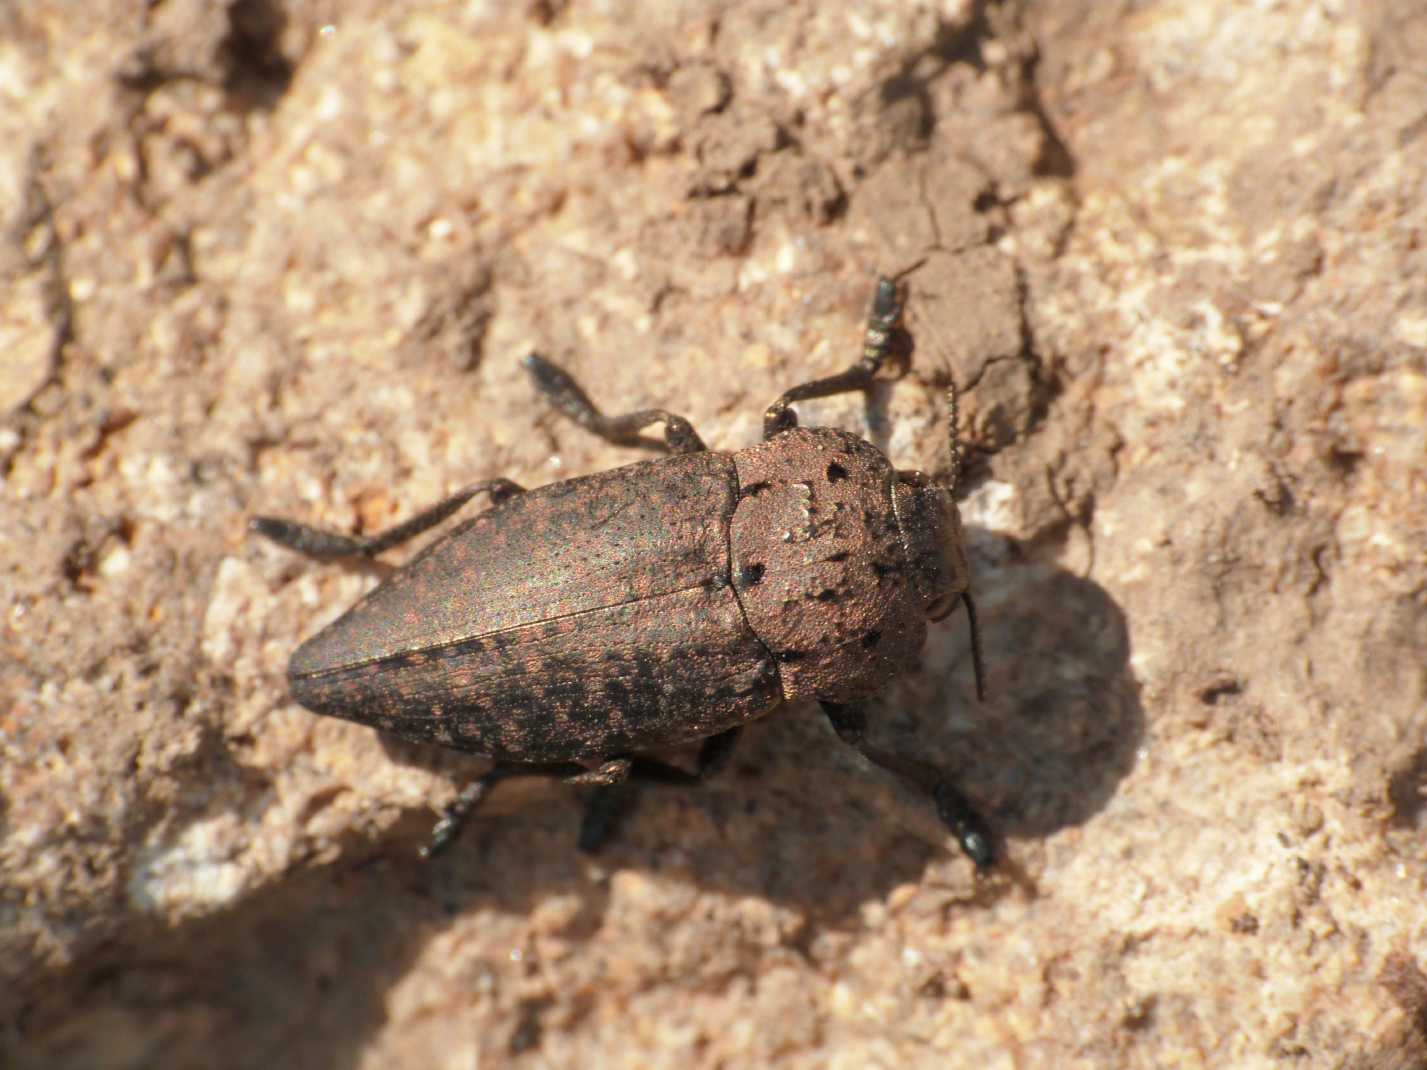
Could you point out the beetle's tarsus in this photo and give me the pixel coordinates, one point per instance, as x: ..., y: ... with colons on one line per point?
x: 310, y: 542
x: 455, y: 813
x: 323, y: 545
x: 965, y: 824
x: 877, y: 342
x: 959, y: 816
x: 561, y: 390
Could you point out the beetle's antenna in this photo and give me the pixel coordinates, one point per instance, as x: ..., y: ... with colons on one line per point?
x: 898, y: 276
x: 953, y: 420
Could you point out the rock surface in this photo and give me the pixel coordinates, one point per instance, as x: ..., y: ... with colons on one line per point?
x: 282, y: 258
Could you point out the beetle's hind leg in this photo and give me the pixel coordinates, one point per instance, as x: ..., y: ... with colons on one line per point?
x: 611, y: 780
x: 877, y: 343
x: 956, y: 813
x: 570, y: 398
x: 326, y: 545
x: 606, y: 806
x: 455, y: 813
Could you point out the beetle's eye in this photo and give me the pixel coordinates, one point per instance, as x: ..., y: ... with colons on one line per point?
x: 942, y: 607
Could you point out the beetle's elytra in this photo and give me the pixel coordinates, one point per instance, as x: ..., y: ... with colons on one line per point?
x: 568, y: 629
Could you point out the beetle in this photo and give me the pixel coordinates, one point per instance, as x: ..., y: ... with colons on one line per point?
x: 570, y: 629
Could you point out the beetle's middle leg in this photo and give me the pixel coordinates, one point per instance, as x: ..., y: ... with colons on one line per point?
x: 877, y: 343
x: 567, y: 395
x: 326, y: 545
x: 956, y: 813
x: 612, y: 797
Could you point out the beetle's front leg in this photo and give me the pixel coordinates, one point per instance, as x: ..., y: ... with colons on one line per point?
x: 567, y: 395
x: 881, y: 328
x: 956, y: 813
x: 326, y: 545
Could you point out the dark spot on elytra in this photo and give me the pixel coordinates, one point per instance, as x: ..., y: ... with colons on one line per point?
x: 518, y: 696
x: 883, y: 570
x: 646, y: 667
x: 787, y: 657
x: 753, y: 489
x: 841, y: 555
x: 827, y: 594
x: 871, y: 639
x: 835, y: 472
x: 749, y: 574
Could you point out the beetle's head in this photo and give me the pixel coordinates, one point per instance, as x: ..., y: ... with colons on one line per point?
x: 934, y: 543
x: 935, y: 546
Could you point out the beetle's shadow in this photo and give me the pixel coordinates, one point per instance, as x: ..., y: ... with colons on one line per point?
x: 796, y: 819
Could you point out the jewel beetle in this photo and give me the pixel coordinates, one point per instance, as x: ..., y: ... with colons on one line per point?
x: 571, y: 629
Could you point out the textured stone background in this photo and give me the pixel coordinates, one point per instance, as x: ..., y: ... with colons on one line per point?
x: 284, y: 257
